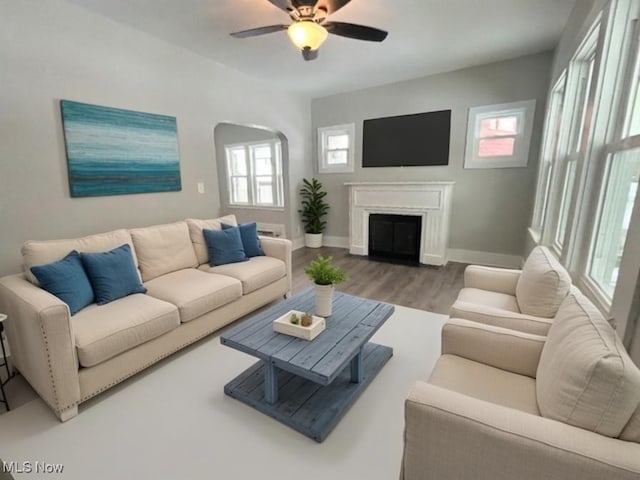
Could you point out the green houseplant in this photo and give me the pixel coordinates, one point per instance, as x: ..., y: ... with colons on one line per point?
x: 325, y: 277
x: 314, y: 208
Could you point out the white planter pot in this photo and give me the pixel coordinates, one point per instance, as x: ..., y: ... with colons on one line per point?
x: 324, y: 297
x: 313, y: 240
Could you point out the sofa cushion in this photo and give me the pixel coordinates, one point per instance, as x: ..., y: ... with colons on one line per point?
x: 249, y: 237
x: 112, y: 274
x: 254, y: 274
x: 40, y: 252
x: 631, y: 431
x: 585, y: 377
x: 485, y: 383
x: 498, y: 300
x: 102, y: 332
x: 163, y: 249
x: 67, y: 280
x: 197, y: 238
x: 194, y: 292
x: 543, y: 284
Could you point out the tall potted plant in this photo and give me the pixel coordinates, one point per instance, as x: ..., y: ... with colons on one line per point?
x: 325, y: 277
x: 313, y: 209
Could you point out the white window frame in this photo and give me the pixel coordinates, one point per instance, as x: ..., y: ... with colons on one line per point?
x: 591, y: 137
x: 617, y: 139
x: 568, y: 178
x: 548, y: 156
x: 524, y: 111
x: 323, y: 134
x: 277, y: 181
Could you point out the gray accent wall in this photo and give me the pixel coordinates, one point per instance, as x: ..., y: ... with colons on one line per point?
x: 491, y: 207
x: 57, y: 50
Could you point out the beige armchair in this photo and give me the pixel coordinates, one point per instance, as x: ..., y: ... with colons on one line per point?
x: 503, y: 404
x: 525, y: 300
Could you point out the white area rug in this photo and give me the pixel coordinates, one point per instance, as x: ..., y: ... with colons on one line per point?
x: 175, y: 422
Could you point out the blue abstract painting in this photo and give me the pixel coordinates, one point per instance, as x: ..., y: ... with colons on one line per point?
x: 116, y: 152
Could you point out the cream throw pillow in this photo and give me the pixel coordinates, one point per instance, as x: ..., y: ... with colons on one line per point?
x: 543, y: 284
x: 163, y: 249
x: 585, y: 377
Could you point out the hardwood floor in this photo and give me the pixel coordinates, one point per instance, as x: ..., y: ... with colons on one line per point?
x: 433, y: 289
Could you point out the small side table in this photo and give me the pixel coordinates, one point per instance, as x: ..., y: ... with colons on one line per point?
x: 4, y: 400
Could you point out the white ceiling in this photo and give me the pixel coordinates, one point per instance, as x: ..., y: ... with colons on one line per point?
x: 425, y: 37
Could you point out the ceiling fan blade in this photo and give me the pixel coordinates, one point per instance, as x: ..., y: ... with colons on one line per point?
x: 359, y: 32
x: 259, y: 31
x: 309, y: 54
x: 331, y: 5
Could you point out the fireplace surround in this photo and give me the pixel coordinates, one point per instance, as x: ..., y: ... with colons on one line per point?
x: 429, y: 200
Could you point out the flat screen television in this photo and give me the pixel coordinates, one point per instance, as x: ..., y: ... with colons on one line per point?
x: 421, y: 139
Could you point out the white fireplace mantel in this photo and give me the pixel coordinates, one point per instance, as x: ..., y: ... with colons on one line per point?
x: 430, y: 200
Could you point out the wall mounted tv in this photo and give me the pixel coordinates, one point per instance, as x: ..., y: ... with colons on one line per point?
x: 421, y: 139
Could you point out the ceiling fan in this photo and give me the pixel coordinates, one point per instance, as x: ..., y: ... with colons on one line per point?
x: 310, y: 26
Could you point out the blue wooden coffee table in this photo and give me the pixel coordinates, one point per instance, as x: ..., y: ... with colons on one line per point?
x: 310, y: 385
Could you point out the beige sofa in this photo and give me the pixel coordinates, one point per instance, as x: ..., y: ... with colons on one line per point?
x: 69, y: 359
x: 503, y: 404
x: 525, y: 300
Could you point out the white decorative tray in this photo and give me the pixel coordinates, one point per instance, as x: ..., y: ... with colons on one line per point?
x: 283, y: 325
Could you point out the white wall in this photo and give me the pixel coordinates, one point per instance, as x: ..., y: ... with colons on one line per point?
x: 491, y: 208
x: 55, y: 50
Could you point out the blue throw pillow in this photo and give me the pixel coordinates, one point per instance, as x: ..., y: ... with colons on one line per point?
x: 249, y: 236
x: 224, y: 246
x: 113, y: 274
x: 67, y: 280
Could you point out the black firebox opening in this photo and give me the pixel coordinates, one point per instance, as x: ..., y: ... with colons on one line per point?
x: 395, y: 238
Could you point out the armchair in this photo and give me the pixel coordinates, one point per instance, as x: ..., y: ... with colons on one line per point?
x: 525, y: 300
x: 503, y: 404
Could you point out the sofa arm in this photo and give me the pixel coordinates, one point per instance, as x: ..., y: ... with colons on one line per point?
x: 280, y: 248
x: 42, y: 343
x: 502, y: 348
x: 450, y: 435
x: 500, y: 318
x: 502, y: 280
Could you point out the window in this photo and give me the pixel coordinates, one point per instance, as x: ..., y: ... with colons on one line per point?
x: 335, y: 149
x: 618, y: 185
x: 498, y: 136
x: 254, y: 174
x: 592, y: 148
x: 619, y: 195
x: 571, y: 131
x: 549, y: 154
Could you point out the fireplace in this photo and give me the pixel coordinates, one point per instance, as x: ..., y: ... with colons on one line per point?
x: 431, y: 201
x: 395, y: 238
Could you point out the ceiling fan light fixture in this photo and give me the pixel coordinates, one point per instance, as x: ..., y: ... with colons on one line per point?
x: 307, y: 34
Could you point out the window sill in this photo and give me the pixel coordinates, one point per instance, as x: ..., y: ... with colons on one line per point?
x: 256, y: 207
x: 535, y: 235
x: 336, y: 170
x: 595, y: 294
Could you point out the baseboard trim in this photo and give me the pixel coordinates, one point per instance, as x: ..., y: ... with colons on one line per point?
x: 327, y: 241
x: 298, y: 243
x: 484, y: 258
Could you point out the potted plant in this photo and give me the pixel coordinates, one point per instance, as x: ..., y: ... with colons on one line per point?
x: 325, y: 277
x: 313, y: 209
